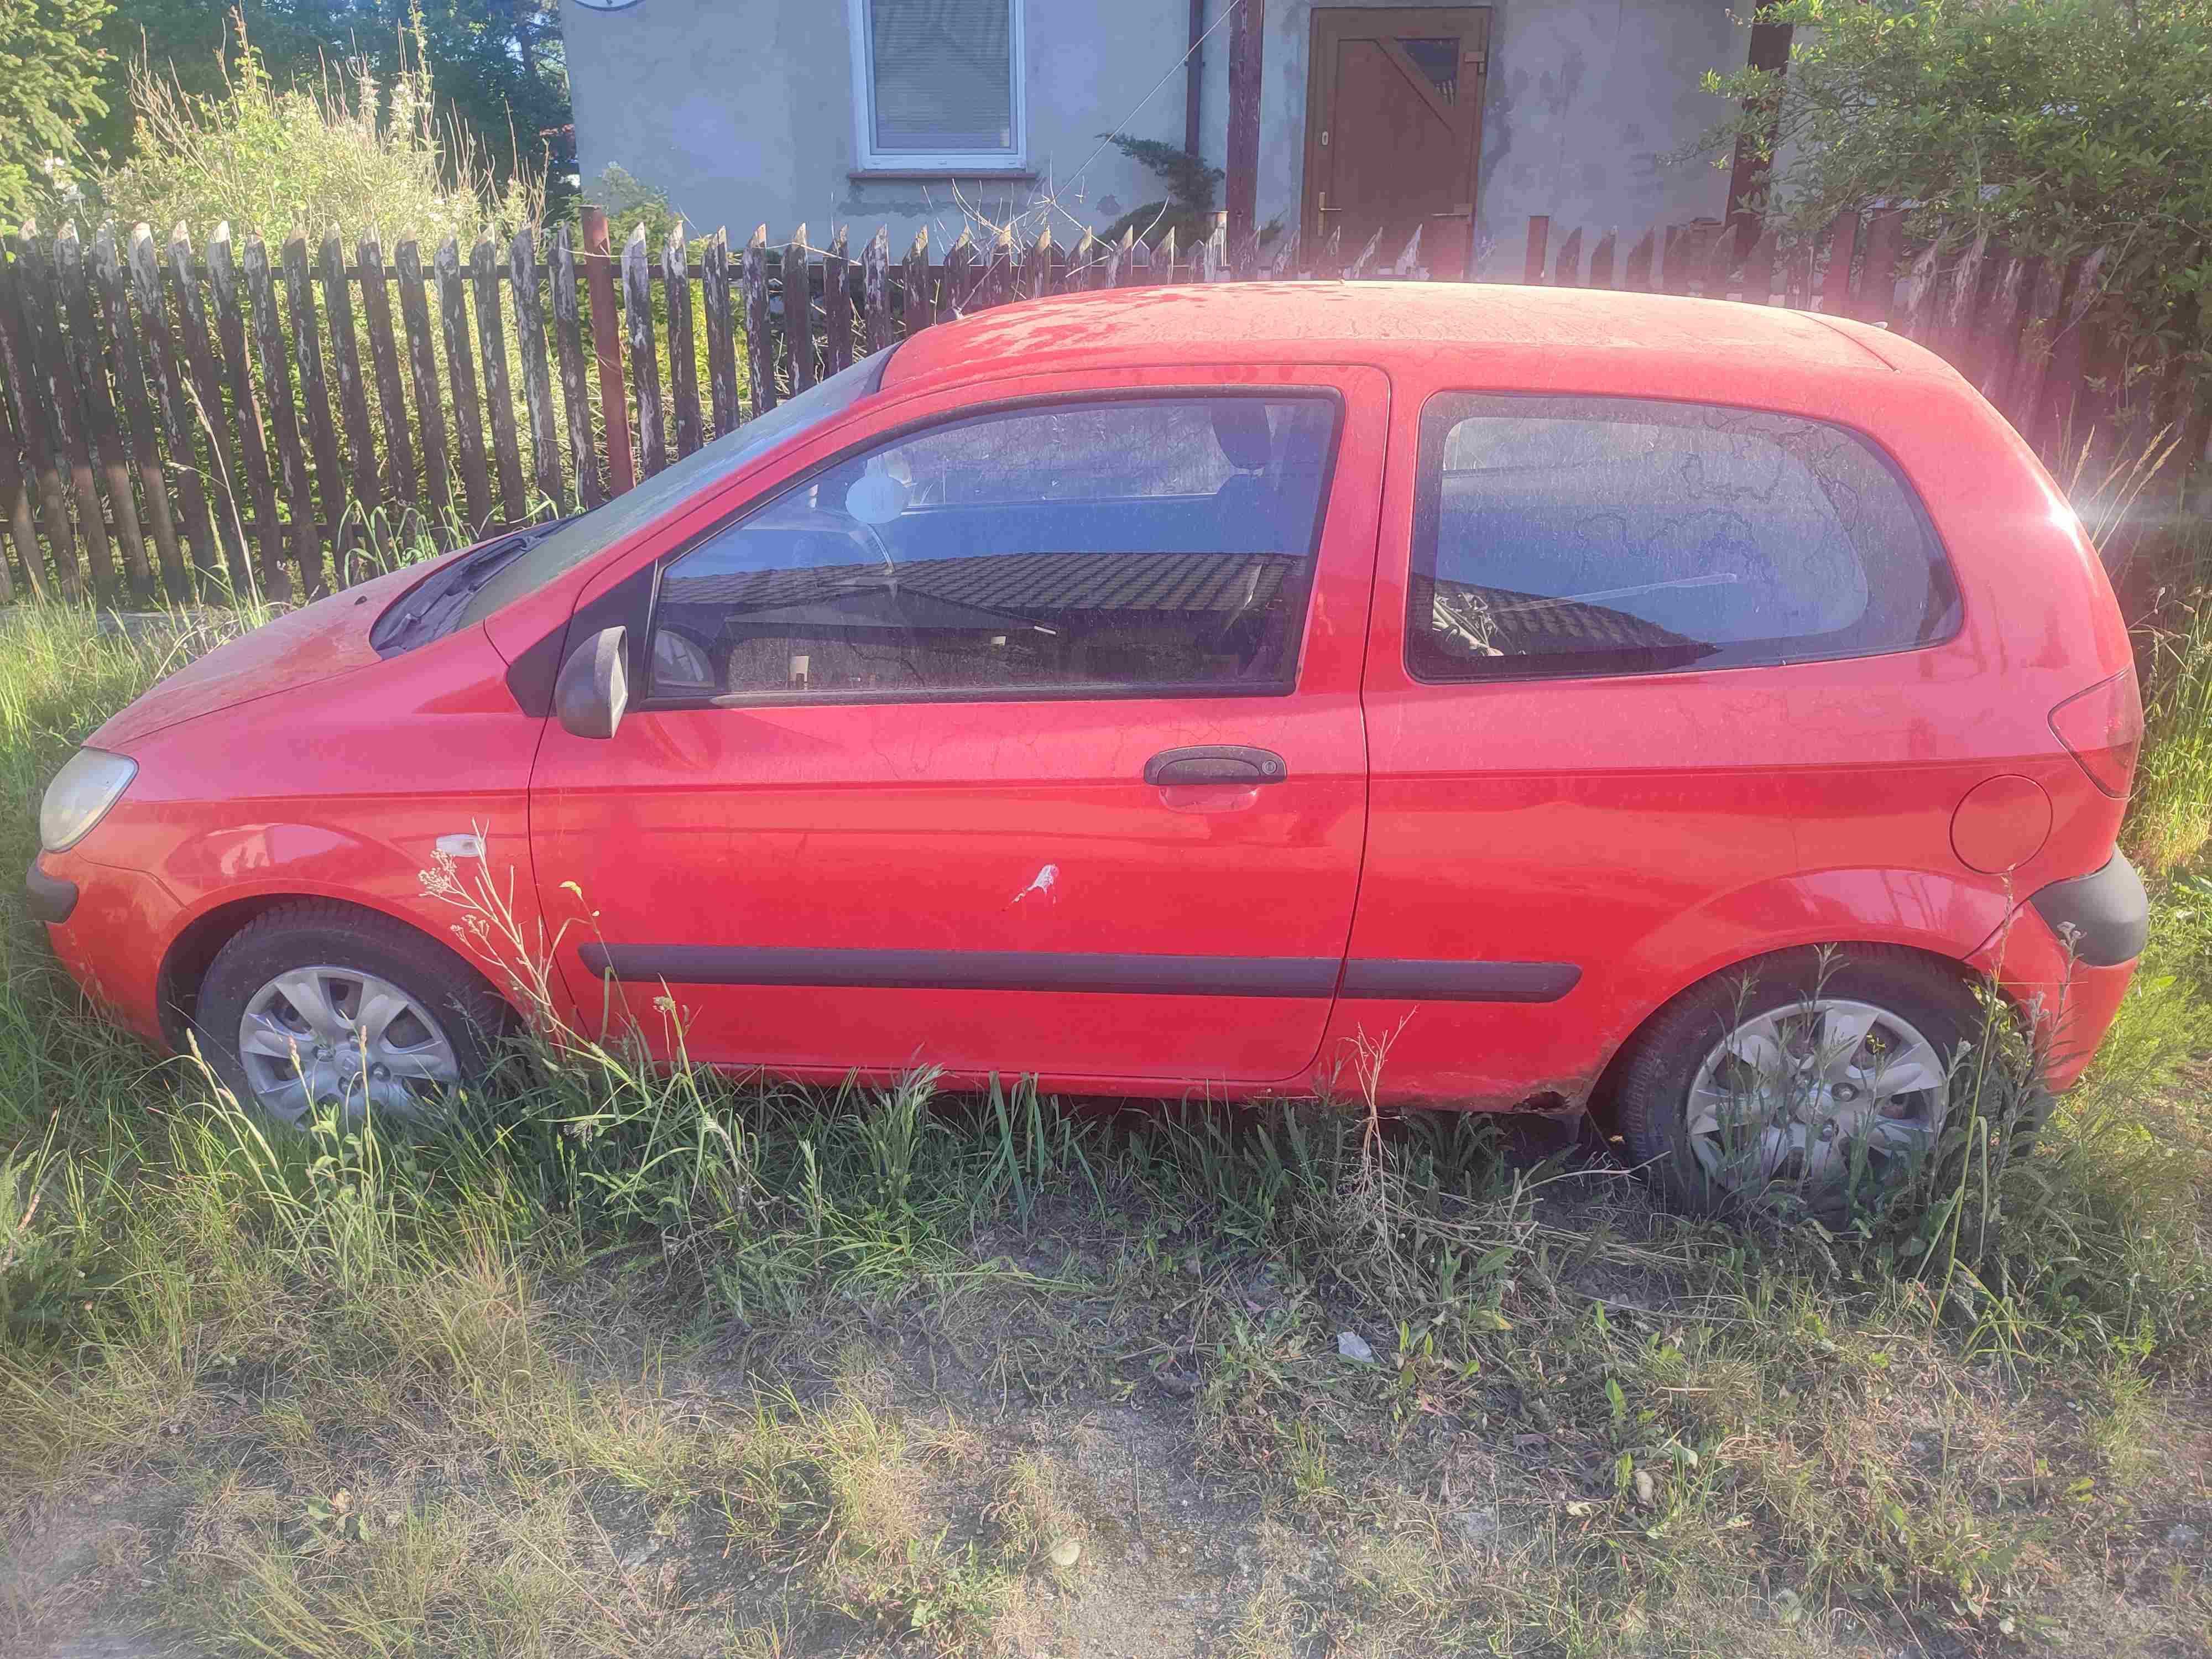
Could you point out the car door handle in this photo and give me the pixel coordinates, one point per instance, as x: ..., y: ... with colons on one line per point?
x: 1216, y: 763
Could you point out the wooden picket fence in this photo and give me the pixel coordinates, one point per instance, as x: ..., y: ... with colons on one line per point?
x: 171, y: 431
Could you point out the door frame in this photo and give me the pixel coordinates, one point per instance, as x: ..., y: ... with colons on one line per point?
x: 1333, y: 24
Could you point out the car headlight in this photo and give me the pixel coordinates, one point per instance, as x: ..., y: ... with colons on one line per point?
x: 81, y: 795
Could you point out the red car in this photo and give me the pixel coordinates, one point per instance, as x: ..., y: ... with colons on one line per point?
x: 1660, y: 704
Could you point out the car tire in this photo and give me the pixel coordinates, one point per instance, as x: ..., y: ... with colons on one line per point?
x: 1920, y: 1001
x: 444, y: 1041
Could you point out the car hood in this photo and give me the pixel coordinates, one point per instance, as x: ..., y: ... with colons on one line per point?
x: 318, y: 641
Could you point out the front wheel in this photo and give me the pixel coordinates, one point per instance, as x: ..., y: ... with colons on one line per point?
x: 315, y: 1009
x: 1810, y: 1076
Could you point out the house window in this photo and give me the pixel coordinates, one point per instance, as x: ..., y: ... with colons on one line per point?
x: 937, y: 84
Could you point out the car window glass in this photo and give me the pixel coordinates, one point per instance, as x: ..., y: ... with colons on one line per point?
x: 582, y: 537
x: 1126, y: 544
x: 1590, y: 535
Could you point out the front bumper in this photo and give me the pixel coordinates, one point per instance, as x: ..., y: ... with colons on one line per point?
x: 111, y: 934
x: 50, y: 898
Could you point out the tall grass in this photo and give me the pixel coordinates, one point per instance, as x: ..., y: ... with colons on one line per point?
x: 405, y: 1386
x: 2170, y: 821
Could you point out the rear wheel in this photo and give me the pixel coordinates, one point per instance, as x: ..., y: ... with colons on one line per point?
x: 315, y: 1009
x: 1805, y: 1078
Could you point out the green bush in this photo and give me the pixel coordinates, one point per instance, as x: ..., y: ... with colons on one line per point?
x: 346, y: 156
x: 2056, y: 126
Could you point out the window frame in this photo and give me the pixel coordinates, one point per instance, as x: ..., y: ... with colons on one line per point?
x: 965, y: 163
x: 1286, y: 685
x: 1430, y: 434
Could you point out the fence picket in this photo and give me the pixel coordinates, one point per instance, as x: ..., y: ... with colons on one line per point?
x: 1759, y: 270
x: 537, y: 378
x: 721, y: 332
x: 283, y: 420
x: 682, y: 349
x: 15, y: 506
x: 498, y: 388
x: 1874, y: 295
x: 1958, y: 309
x: 575, y: 397
x: 315, y: 397
x: 2004, y: 322
x: 1841, y: 241
x: 918, y: 304
x: 51, y: 379
x: 876, y: 289
x: 384, y: 363
x: 1001, y: 269
x: 1923, y: 282
x: 955, y: 298
x: 799, y: 312
x: 644, y: 362
x: 90, y: 367
x: 1600, y: 264
x: 32, y: 413
x: 1532, y: 261
x: 253, y: 452
x: 760, y: 343
x: 1635, y: 271
x: 422, y: 371
x: 2054, y: 417
x: 26, y: 420
x: 836, y: 305
x: 606, y: 352
x: 175, y: 412
x: 1568, y: 272
x: 353, y: 406
x: 460, y: 364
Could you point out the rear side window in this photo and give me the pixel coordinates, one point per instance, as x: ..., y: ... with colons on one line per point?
x: 1125, y: 545
x: 1579, y: 536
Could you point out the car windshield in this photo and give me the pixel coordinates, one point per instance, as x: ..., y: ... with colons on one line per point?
x: 580, y: 539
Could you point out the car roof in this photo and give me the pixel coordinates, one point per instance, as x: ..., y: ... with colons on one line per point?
x: 1379, y: 321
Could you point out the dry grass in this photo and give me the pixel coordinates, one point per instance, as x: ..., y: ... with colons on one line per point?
x: 670, y: 1365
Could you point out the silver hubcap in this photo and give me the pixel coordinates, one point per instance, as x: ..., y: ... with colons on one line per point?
x: 1810, y: 1093
x: 317, y: 1040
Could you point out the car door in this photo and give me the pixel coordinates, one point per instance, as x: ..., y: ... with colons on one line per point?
x: 1650, y: 677
x: 1013, y: 729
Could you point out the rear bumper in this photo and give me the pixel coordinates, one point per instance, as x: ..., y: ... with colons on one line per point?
x: 2106, y: 914
x: 2068, y: 956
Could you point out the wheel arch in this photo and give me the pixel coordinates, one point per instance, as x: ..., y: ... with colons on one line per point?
x: 1602, y: 1102
x: 184, y: 964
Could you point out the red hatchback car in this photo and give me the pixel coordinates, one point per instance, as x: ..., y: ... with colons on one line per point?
x: 1159, y: 691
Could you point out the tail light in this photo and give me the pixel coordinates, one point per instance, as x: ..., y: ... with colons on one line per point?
x: 2102, y: 729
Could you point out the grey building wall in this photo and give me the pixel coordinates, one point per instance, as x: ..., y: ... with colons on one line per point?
x: 742, y: 111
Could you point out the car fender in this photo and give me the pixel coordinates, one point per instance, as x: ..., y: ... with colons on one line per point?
x: 1947, y: 915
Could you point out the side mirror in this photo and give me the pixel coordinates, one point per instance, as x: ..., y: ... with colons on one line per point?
x: 593, y: 688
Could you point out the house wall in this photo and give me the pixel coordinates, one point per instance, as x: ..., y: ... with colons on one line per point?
x: 1584, y: 101
x: 742, y: 110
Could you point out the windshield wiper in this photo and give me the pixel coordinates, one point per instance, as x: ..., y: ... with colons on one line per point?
x: 430, y: 607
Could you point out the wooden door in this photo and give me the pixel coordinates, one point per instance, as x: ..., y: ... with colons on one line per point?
x: 1393, y: 129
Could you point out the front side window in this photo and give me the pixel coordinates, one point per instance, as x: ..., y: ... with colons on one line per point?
x: 939, y: 82
x: 1576, y: 536
x: 1125, y: 546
